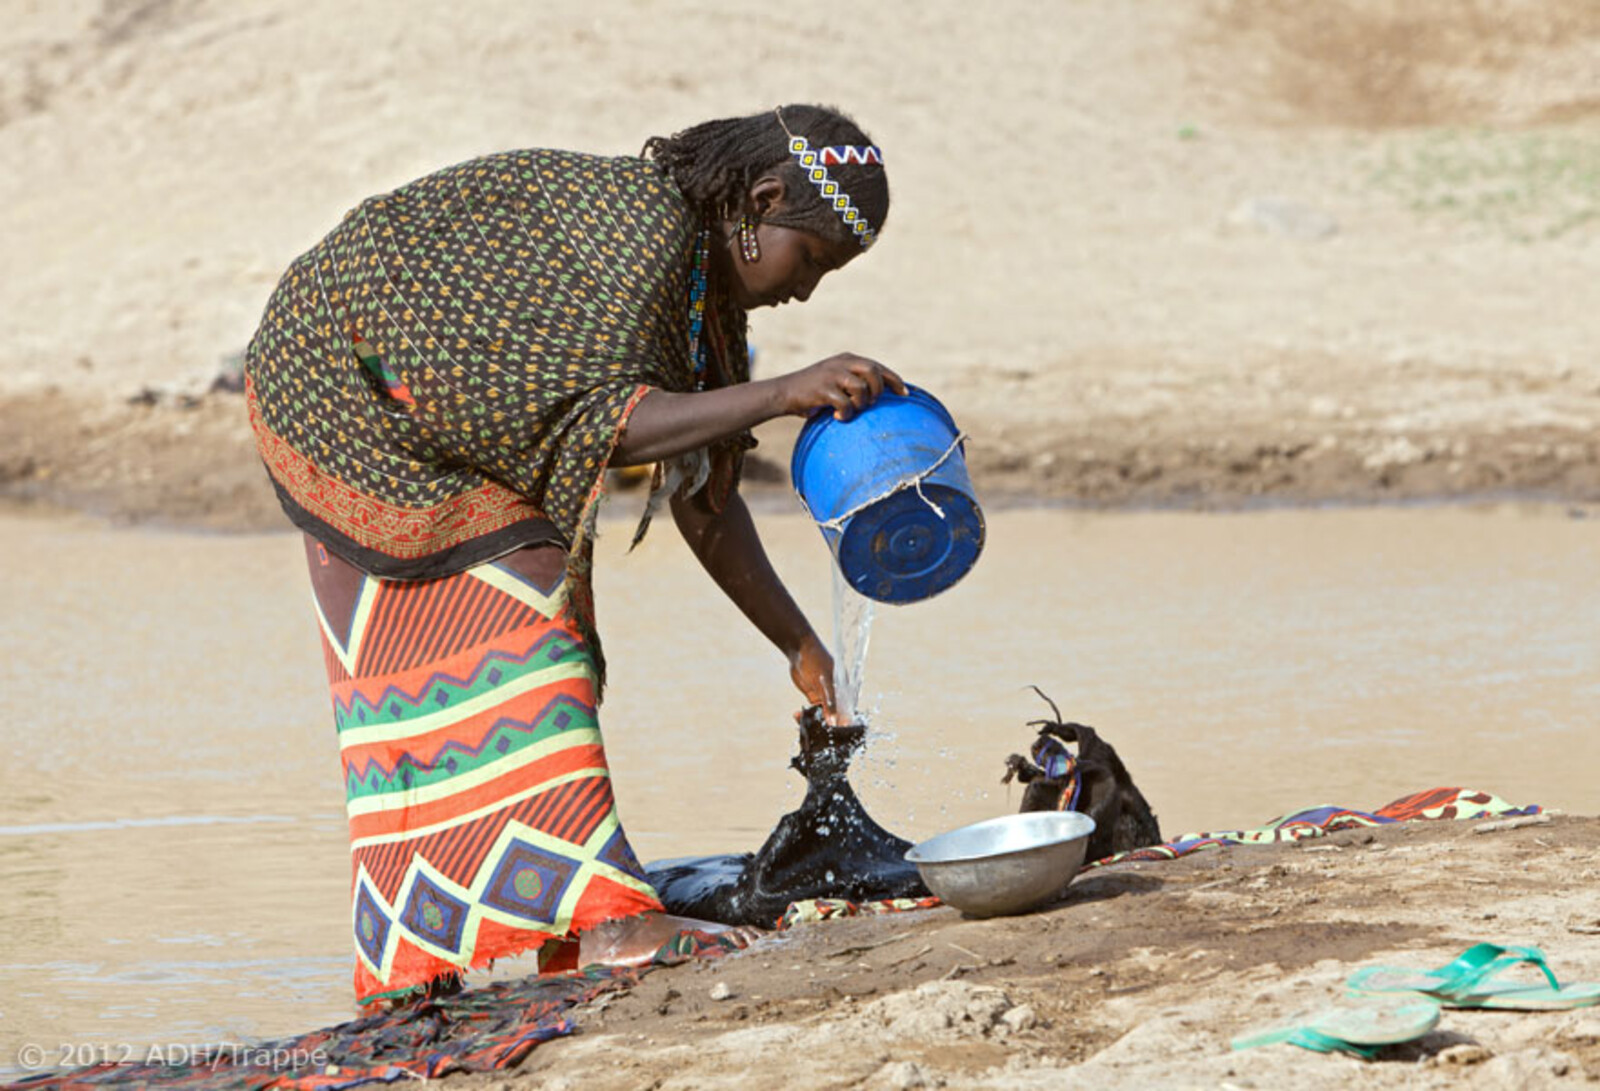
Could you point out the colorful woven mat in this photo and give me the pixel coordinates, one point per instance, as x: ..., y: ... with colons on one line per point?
x: 482, y: 1029
x: 1462, y: 804
x: 814, y: 910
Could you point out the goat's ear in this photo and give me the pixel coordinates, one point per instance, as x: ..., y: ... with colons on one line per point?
x: 1020, y: 768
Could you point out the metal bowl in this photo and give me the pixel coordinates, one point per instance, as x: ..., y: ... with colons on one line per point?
x: 1005, y: 865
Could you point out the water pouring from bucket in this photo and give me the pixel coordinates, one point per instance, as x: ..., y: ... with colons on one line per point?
x: 890, y: 492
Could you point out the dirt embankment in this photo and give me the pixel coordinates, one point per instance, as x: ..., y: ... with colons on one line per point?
x: 1139, y: 979
x: 189, y: 460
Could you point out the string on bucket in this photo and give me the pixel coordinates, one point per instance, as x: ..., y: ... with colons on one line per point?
x: 913, y: 481
x: 937, y: 510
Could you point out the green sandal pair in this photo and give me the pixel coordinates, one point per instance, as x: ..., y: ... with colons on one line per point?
x: 1467, y: 982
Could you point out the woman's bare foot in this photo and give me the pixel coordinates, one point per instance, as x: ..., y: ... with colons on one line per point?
x: 633, y: 941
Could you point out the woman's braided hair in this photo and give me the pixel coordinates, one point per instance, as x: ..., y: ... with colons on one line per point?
x: 715, y: 163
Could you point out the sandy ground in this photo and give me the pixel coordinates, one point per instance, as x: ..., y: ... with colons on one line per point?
x: 1197, y: 253
x: 1139, y: 978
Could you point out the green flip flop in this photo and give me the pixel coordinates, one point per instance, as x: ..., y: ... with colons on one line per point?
x: 1360, y: 1032
x: 1468, y: 982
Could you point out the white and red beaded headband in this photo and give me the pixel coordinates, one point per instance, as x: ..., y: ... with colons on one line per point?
x: 816, y: 161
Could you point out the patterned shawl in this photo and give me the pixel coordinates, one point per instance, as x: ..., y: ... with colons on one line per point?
x: 441, y: 380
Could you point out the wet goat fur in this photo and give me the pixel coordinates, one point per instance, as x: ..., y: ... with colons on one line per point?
x: 1123, y: 819
x: 827, y: 848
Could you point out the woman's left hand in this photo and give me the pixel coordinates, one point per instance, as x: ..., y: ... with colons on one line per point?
x: 811, y: 668
x: 844, y: 383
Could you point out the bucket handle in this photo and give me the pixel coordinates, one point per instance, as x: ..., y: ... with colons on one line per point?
x: 913, y: 481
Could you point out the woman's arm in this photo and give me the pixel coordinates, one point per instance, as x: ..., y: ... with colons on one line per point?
x: 665, y: 424
x: 729, y: 548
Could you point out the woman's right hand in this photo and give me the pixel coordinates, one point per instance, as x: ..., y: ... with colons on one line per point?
x: 811, y: 669
x: 845, y: 383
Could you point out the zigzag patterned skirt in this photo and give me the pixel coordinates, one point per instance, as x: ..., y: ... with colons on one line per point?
x: 482, y: 823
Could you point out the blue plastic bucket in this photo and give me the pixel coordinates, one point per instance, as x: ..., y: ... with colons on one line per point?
x: 890, y: 492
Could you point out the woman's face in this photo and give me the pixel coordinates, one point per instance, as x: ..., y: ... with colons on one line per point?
x: 791, y: 261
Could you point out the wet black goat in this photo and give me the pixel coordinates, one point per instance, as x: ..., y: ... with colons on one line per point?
x: 829, y: 847
x: 1106, y: 793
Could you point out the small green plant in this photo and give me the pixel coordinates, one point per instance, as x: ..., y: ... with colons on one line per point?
x: 1529, y: 185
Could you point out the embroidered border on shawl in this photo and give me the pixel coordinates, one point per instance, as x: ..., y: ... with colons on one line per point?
x: 386, y: 529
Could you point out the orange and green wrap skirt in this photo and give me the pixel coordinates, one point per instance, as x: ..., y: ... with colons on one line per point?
x: 482, y: 823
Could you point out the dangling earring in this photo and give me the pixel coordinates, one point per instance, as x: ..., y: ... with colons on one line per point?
x: 749, y: 246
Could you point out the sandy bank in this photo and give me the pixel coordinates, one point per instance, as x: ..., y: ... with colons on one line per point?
x: 190, y: 461
x: 1139, y: 979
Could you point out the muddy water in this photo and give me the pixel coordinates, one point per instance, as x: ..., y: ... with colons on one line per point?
x: 171, y: 838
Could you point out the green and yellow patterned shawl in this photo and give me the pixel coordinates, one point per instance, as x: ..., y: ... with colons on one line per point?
x: 442, y: 379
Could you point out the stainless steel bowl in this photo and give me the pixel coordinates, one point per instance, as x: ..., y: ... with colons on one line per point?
x: 1005, y: 865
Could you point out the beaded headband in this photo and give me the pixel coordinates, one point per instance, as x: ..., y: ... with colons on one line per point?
x: 816, y: 161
